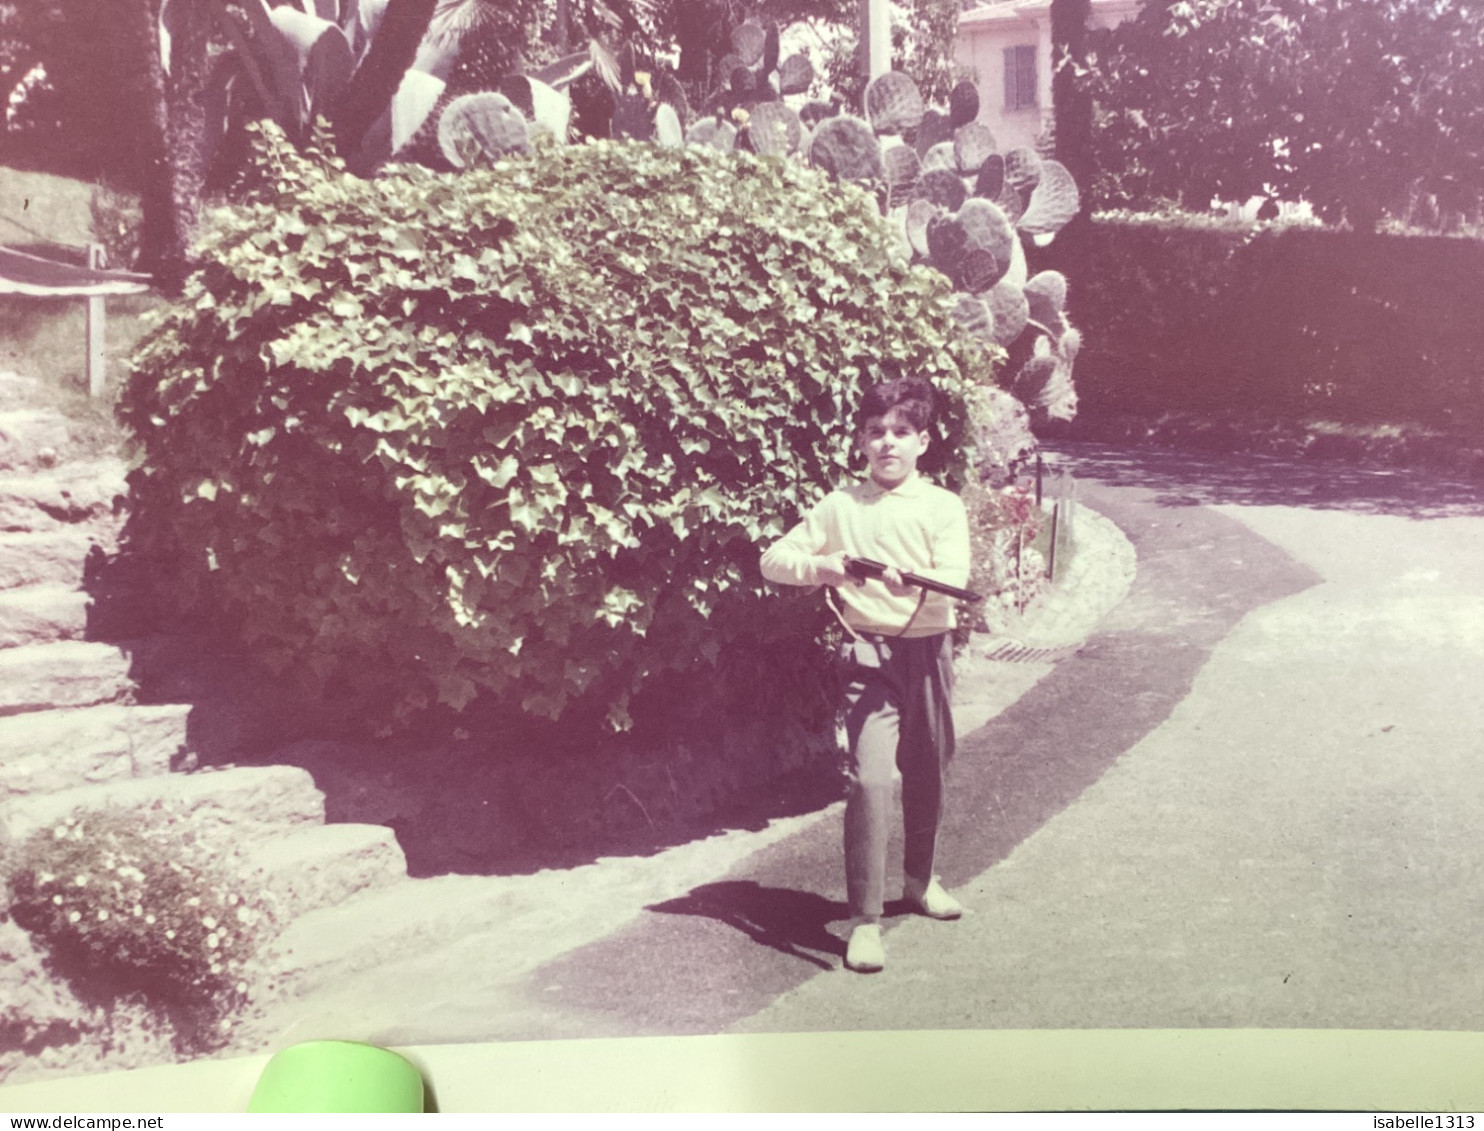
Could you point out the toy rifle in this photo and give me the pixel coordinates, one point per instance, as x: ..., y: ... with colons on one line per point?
x: 866, y: 567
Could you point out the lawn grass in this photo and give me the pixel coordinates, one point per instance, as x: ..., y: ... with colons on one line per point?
x: 39, y: 208
x: 44, y: 340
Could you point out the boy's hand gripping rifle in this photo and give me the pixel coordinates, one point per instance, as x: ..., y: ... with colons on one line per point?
x: 866, y: 567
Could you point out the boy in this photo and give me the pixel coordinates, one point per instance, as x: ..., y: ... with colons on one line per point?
x: 898, y: 648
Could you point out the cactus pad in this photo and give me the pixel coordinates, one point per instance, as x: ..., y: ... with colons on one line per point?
x: 1070, y: 345
x: 1052, y: 285
x: 1022, y: 169
x: 979, y: 270
x: 963, y: 104
x: 774, y: 128
x: 632, y: 117
x: 547, y: 109
x: 893, y: 103
x: 940, y: 156
x: 991, y: 180
x: 943, y: 187
x: 726, y: 66
x: 713, y: 132
x: 667, y: 129
x: 932, y: 130
x: 1007, y: 303
x: 846, y: 149
x: 1054, y: 201
x: 1011, y: 202
x: 1046, y: 296
x: 920, y: 213
x: 1035, y: 378
x: 974, y: 316
x: 748, y: 41
x: 973, y: 144
x: 795, y: 75
x: 948, y: 243
x: 988, y: 227
x: 486, y: 123
x: 902, y: 169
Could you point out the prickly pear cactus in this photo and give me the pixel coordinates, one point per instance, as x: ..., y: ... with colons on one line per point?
x: 715, y: 131
x: 893, y: 103
x: 773, y: 128
x: 481, y: 126
x: 846, y: 148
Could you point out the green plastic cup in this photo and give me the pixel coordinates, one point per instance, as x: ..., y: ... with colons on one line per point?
x: 337, y: 1076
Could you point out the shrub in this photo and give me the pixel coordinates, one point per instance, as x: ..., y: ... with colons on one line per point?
x: 1282, y: 320
x: 520, y: 430
x: 125, y: 907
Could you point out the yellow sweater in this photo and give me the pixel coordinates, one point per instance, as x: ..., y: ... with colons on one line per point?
x: 916, y: 526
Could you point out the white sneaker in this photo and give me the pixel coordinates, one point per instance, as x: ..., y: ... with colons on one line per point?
x: 865, y: 954
x: 932, y: 900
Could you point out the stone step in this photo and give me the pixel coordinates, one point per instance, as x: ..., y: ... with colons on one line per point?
x: 242, y: 802
x: 327, y: 944
x: 70, y: 673
x: 42, y: 614
x: 325, y: 865
x: 31, y: 437
x: 48, y: 751
x: 70, y: 495
x: 48, y: 557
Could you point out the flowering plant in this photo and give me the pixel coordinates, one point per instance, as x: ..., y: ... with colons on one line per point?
x: 1003, y: 522
x: 129, y: 905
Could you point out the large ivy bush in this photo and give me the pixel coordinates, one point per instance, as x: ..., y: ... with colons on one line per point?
x: 517, y: 433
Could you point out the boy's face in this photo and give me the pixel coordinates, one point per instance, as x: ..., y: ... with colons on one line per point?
x: 892, y: 445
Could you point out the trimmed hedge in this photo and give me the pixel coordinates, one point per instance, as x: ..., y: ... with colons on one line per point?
x: 517, y: 433
x: 1290, y: 321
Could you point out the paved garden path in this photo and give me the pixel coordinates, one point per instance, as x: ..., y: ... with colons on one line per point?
x: 1252, y: 798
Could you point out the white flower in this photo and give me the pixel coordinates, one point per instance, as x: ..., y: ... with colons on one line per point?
x: 216, y: 967
x: 242, y: 987
x: 59, y: 832
x: 73, y: 916
x: 169, y: 934
x: 102, y: 914
x: 149, y: 920
x: 138, y: 910
x: 194, y: 901
x: 208, y: 922
x: 45, y: 877
x: 244, y: 915
x: 57, y: 899
x: 213, y: 939
x: 81, y: 881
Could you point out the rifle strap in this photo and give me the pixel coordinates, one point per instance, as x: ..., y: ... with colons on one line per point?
x: 830, y: 599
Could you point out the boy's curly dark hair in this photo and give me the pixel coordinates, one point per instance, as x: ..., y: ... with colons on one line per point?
x: 912, y: 395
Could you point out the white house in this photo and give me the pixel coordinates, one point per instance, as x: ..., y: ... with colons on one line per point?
x: 1007, y: 45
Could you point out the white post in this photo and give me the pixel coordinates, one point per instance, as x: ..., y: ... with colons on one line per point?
x: 95, y: 327
x: 875, y: 37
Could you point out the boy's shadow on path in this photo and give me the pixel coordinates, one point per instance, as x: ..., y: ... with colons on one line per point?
x: 787, y: 920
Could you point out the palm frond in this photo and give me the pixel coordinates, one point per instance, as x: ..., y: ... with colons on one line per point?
x: 605, y: 62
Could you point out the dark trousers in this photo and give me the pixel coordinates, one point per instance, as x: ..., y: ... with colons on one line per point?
x: 898, y: 714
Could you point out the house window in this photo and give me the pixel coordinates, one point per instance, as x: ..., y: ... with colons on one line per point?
x: 1020, y: 78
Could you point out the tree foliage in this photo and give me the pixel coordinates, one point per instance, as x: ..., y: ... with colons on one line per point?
x: 1353, y: 105
x: 435, y: 436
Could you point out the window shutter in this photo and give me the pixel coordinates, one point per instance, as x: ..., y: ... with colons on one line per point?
x: 1010, y: 78
x: 1025, y: 82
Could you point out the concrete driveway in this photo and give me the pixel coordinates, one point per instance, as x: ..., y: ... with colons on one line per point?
x: 1252, y: 799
